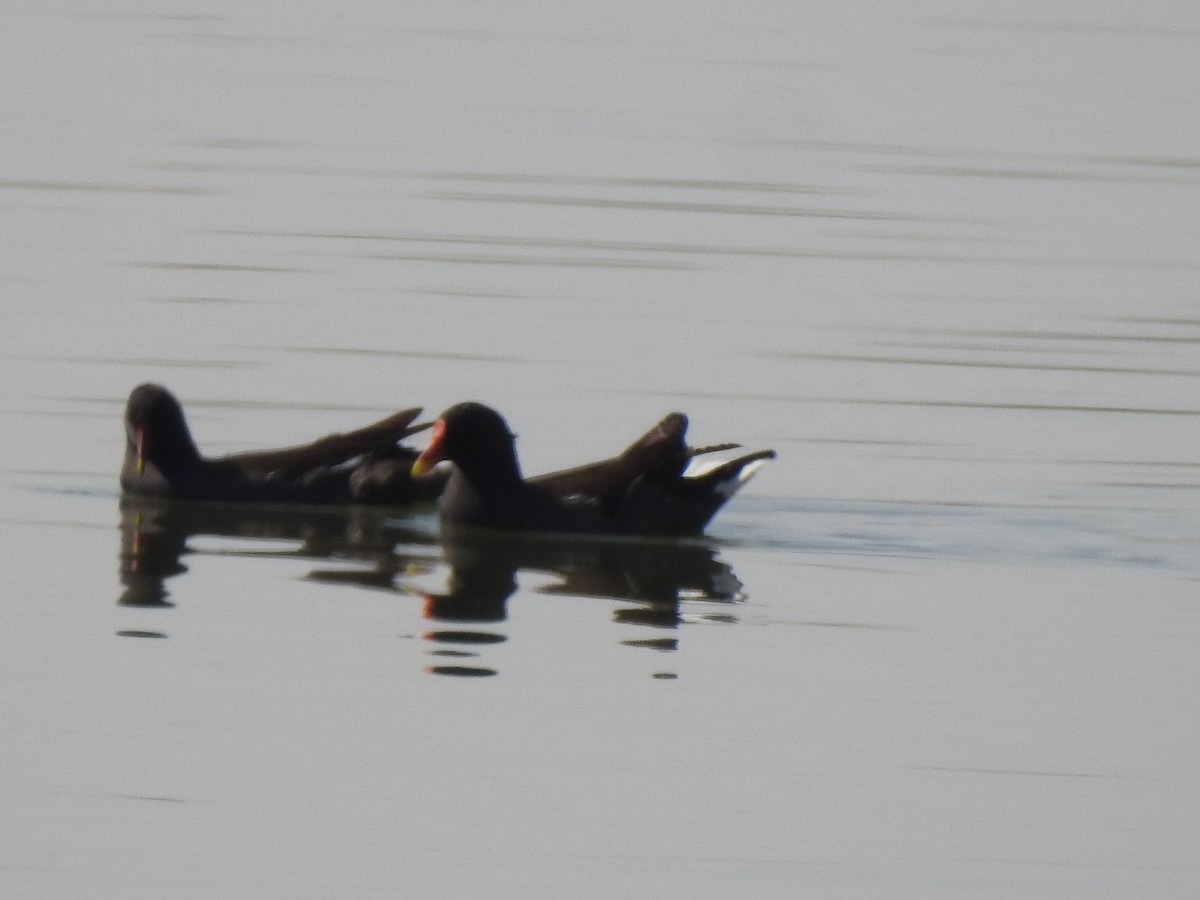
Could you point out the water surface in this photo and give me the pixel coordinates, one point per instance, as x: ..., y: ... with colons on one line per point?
x: 944, y: 646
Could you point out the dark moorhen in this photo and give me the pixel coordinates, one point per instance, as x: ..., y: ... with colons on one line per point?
x: 362, y: 466
x: 644, y: 491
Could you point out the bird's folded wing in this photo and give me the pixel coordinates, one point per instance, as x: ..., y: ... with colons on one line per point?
x: 332, y: 449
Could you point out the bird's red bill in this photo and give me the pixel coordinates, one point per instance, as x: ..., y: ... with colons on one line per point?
x: 434, y: 453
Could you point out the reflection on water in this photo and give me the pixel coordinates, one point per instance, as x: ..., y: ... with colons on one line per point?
x: 155, y: 538
x: 656, y: 576
x: 483, y: 569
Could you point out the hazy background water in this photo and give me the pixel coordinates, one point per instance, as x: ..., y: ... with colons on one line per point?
x: 942, y: 259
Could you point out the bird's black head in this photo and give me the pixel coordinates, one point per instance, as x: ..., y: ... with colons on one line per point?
x: 156, y: 432
x: 476, y: 439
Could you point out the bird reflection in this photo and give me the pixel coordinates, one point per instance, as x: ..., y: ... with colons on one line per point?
x: 653, y: 582
x: 155, y: 537
x: 656, y: 576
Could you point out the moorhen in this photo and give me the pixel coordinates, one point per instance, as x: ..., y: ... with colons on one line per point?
x: 363, y: 466
x: 642, y: 492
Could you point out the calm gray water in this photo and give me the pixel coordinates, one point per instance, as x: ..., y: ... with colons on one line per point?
x: 943, y: 260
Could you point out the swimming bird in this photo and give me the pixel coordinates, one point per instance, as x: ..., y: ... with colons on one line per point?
x: 367, y: 465
x: 643, y: 491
